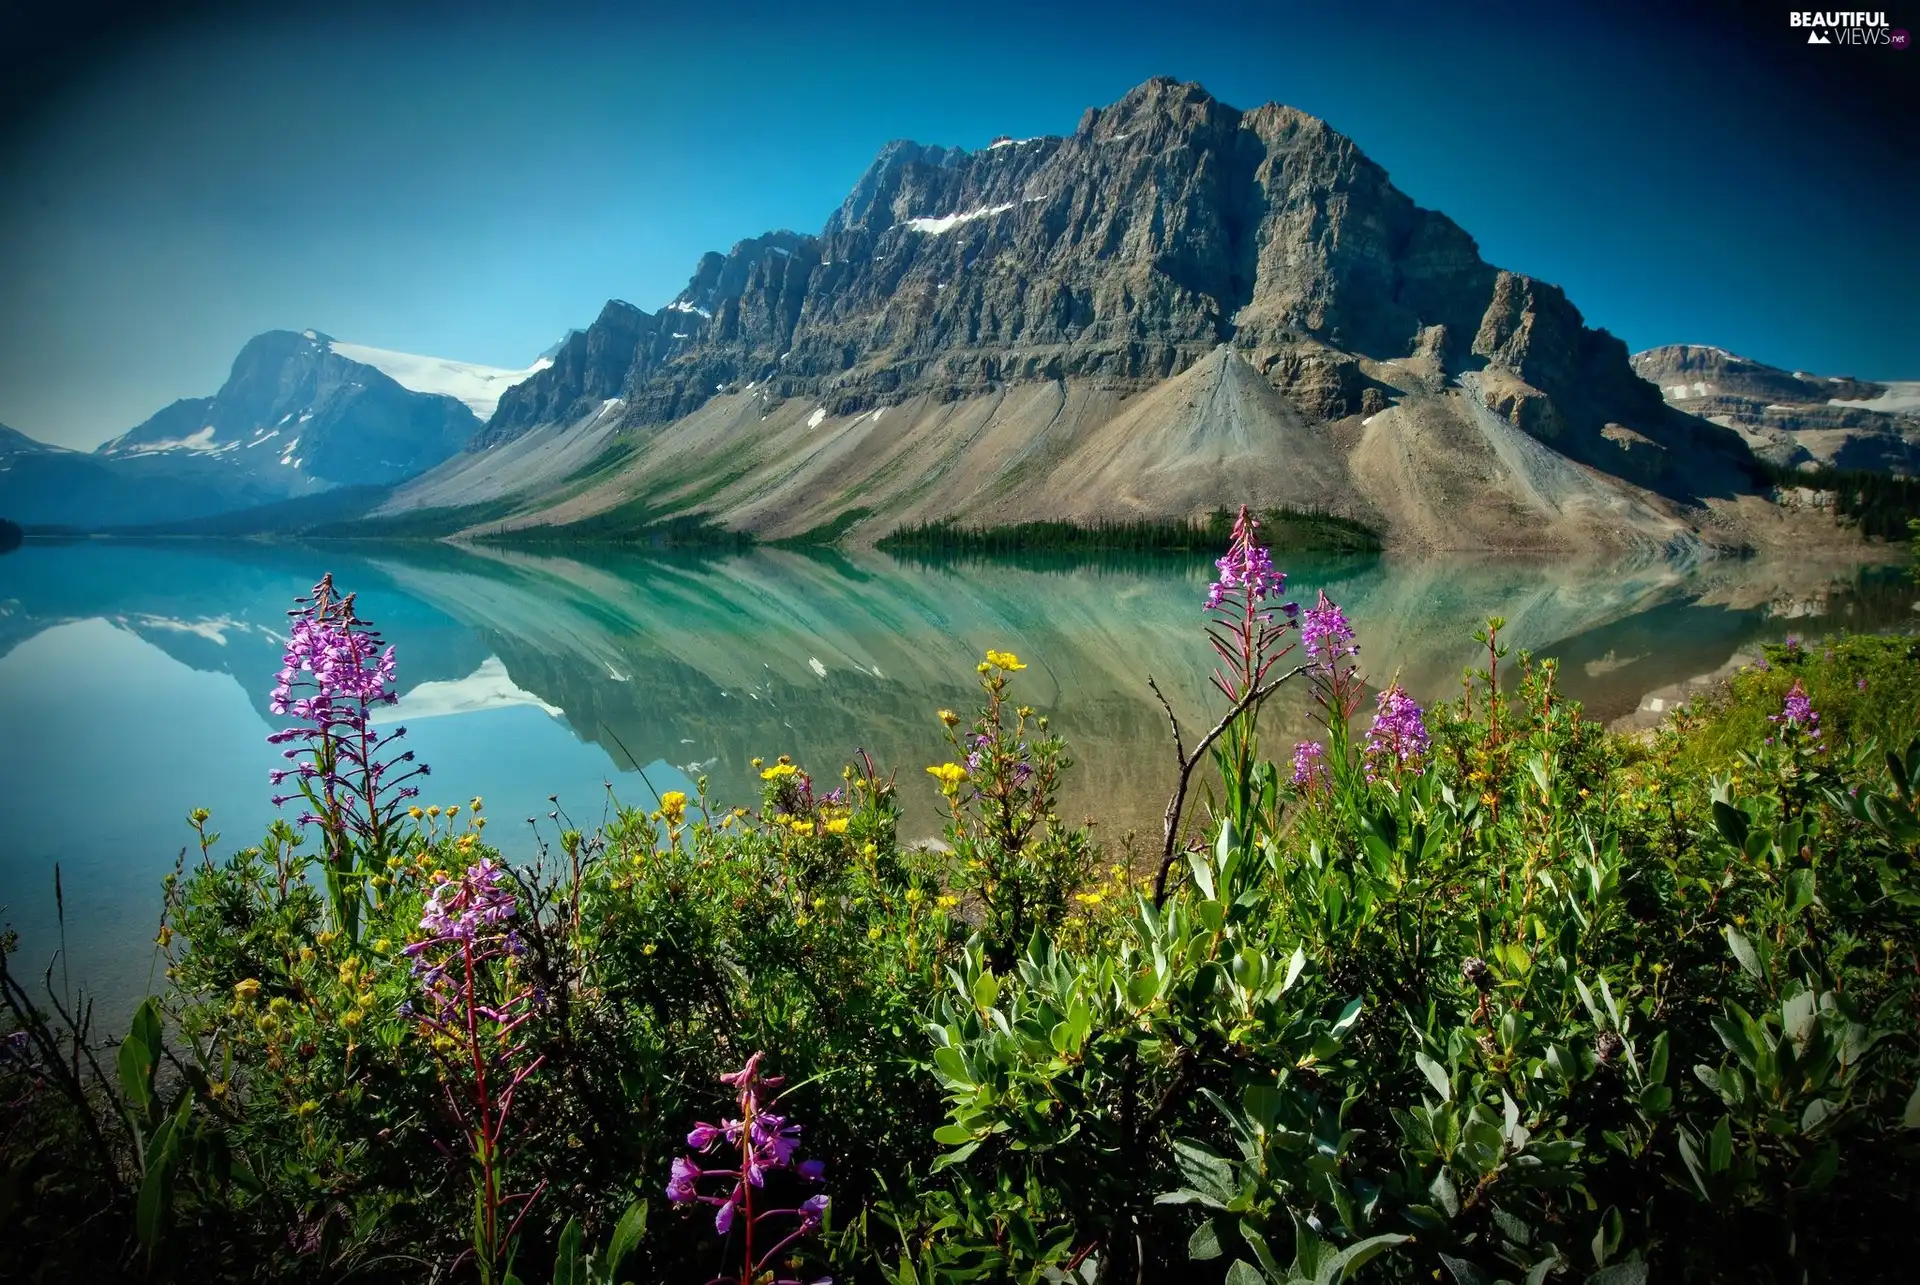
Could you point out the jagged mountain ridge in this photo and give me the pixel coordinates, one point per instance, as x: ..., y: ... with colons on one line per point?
x: 1168, y: 234
x: 1792, y: 418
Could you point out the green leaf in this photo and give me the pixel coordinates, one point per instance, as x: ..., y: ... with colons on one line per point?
x: 955, y: 1157
x: 626, y: 1237
x: 146, y: 1026
x: 1657, y: 1065
x: 1295, y: 966
x: 1344, y: 1264
x: 949, y: 1063
x: 1208, y: 1171
x: 1435, y: 1073
x: 952, y: 1135
x: 1464, y: 1273
x: 1744, y: 952
x: 569, y: 1268
x: 1799, y: 891
x: 986, y: 989
x: 1732, y: 823
x: 1445, y: 1194
x: 135, y: 1064
x: 1910, y: 1118
x: 1720, y: 1146
x: 1208, y: 1241
x: 1620, y: 1274
x: 1244, y: 1273
x: 1203, y: 867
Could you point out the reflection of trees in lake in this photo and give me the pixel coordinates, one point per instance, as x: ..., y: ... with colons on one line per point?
x: 709, y: 662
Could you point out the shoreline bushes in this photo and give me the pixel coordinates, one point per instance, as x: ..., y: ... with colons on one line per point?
x: 1477, y: 992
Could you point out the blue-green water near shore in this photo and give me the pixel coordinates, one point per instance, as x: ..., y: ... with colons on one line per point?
x: 134, y: 680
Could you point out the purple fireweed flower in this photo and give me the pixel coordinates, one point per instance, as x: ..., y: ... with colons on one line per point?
x: 1398, y: 735
x: 1309, y: 764
x: 335, y: 672
x: 1325, y: 633
x: 1248, y: 567
x: 680, y: 1188
x: 460, y: 908
x: 767, y: 1141
x: 1247, y: 639
x: 1798, y: 711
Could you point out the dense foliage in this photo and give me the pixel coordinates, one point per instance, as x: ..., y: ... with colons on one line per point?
x: 1474, y: 993
x: 1285, y: 528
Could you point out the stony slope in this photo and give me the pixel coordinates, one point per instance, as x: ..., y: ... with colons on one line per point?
x: 1792, y: 417
x: 1177, y: 306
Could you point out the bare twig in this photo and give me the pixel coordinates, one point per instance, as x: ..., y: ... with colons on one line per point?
x: 1188, y: 762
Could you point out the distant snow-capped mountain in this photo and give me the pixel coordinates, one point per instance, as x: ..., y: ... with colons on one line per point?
x: 299, y: 413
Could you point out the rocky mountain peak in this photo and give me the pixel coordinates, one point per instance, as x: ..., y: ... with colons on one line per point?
x: 1169, y: 233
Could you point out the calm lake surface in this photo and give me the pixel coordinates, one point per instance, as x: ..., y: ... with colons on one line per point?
x: 134, y: 680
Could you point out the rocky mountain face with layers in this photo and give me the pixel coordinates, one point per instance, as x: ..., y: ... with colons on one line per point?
x: 1792, y: 418
x: 1179, y: 305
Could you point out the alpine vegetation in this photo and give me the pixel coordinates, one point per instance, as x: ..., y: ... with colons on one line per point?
x: 1473, y: 992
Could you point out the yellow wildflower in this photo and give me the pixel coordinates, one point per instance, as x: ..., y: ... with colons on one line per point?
x: 166, y: 935
x: 913, y: 896
x: 837, y: 826
x: 673, y: 806
x: 434, y: 811
x: 382, y: 946
x: 474, y: 806
x: 873, y: 933
x: 352, y: 1018
x: 948, y: 902
x: 757, y: 763
x: 648, y: 949
x: 803, y: 827
x: 1004, y: 660
x: 819, y: 903
x: 309, y: 1107
x: 948, y: 717
x: 948, y: 774
x: 982, y: 668
x: 246, y: 989
x: 778, y: 771
x: 415, y: 813
x: 1089, y: 898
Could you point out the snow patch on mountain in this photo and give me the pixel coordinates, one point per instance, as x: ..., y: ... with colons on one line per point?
x: 476, y: 385
x: 1901, y: 398
x: 947, y: 222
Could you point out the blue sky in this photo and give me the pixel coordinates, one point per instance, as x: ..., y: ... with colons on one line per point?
x: 470, y: 182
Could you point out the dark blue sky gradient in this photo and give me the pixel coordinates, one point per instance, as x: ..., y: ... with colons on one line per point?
x: 469, y: 182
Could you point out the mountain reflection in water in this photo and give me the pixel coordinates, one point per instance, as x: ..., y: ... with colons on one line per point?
x: 134, y: 677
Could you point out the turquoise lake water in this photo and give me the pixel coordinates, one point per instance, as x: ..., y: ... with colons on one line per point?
x: 134, y: 680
